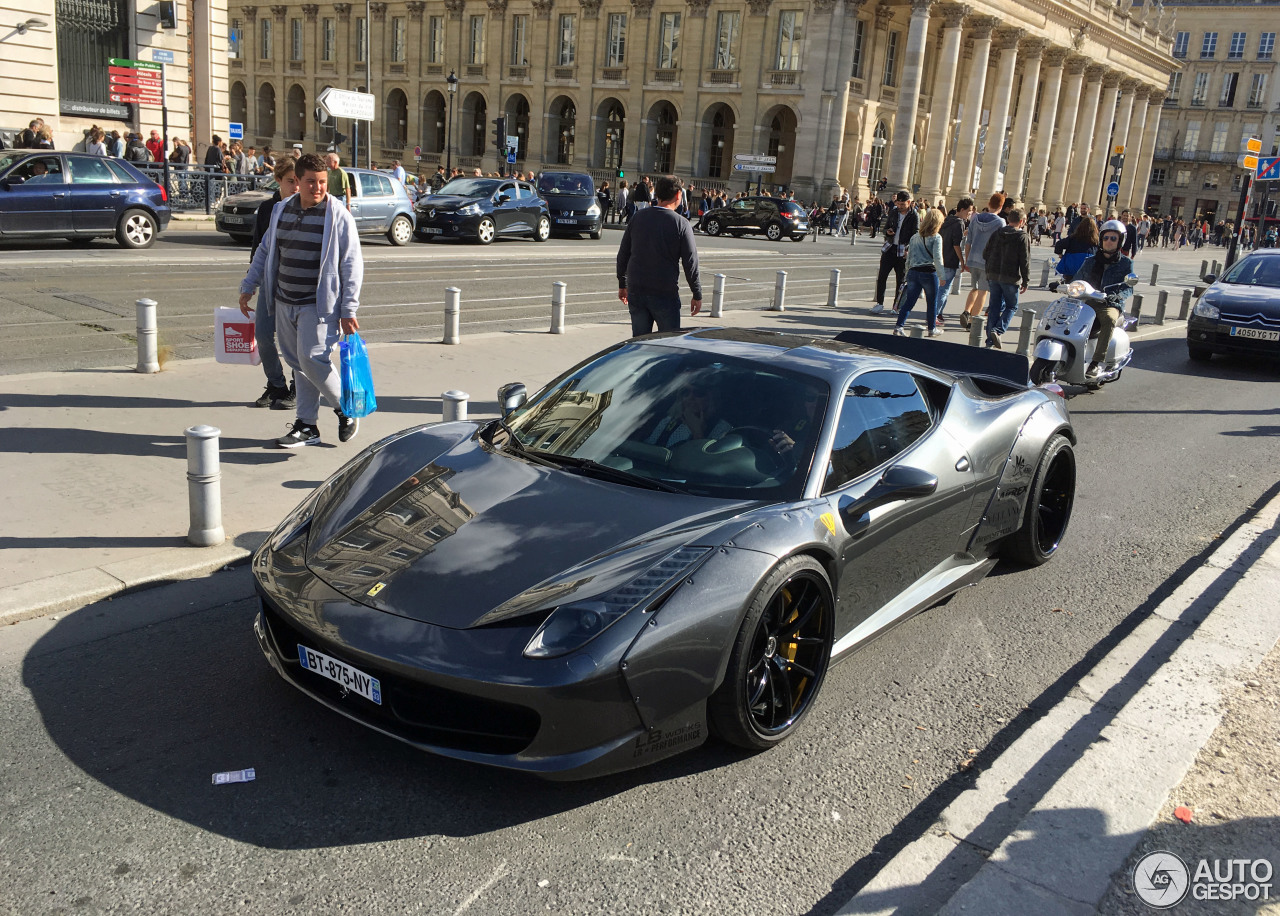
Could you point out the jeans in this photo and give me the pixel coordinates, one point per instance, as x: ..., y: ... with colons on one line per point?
x: 306, y: 341
x: 918, y: 281
x: 264, y: 332
x: 1004, y: 305
x: 944, y: 289
x: 890, y: 261
x: 648, y: 309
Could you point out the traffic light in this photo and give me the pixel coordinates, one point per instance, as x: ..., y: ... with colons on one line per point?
x: 621, y: 174
x: 500, y: 135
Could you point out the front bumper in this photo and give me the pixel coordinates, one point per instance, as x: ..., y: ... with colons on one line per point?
x: 234, y: 223
x: 1215, y: 335
x: 447, y: 225
x: 575, y: 222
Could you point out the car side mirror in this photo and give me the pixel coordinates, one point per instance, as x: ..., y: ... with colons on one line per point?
x: 503, y: 198
x: 1210, y: 279
x: 897, y: 483
x: 511, y: 397
x: 15, y: 181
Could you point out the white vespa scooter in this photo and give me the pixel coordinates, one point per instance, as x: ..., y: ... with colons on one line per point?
x: 1066, y: 336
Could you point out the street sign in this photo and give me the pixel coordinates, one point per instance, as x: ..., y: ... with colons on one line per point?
x: 1113, y: 190
x: 1269, y: 168
x: 161, y: 57
x: 340, y: 103
x: 1253, y: 145
x: 417, y: 152
x: 235, y: 131
x: 762, y: 160
x: 513, y: 142
x: 511, y: 157
x: 751, y: 167
x: 135, y: 81
x: 1118, y: 150
x: 1247, y: 161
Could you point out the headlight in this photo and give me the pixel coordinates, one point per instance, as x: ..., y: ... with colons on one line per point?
x: 1077, y: 288
x: 470, y: 210
x: 296, y: 523
x: 572, y: 626
x: 1205, y: 310
x: 593, y: 210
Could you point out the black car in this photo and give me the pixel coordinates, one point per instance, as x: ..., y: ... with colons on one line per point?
x: 1240, y: 312
x: 79, y: 196
x: 571, y: 198
x: 483, y: 209
x: 769, y: 216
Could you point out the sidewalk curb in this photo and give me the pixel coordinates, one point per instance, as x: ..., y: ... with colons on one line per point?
x: 1045, y: 827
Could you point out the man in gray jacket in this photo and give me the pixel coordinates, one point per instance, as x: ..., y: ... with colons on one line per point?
x: 309, y: 268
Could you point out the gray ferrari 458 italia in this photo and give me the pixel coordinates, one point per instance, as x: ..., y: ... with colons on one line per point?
x: 674, y: 539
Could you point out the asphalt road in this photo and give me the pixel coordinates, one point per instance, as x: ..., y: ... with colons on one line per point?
x: 113, y: 719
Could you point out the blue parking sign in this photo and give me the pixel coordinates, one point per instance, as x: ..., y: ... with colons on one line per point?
x: 511, y: 158
x: 235, y: 131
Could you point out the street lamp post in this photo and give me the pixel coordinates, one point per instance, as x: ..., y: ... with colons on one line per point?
x: 451, y: 82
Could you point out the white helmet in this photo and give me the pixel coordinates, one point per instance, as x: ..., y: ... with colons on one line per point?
x: 1113, y: 225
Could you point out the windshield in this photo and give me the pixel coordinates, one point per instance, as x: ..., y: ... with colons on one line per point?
x: 705, y: 424
x: 1255, y: 271
x: 470, y: 187
x: 10, y: 159
x: 566, y: 184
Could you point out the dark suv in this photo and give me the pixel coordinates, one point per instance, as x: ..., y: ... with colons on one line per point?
x: 768, y: 216
x: 571, y: 200
x: 79, y: 196
x: 482, y: 209
x: 1240, y: 312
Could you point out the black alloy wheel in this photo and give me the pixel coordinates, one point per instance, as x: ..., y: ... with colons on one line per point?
x: 779, y: 658
x: 1049, y: 503
x: 1044, y: 371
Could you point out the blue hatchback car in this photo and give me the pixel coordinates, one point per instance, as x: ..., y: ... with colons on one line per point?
x: 79, y: 196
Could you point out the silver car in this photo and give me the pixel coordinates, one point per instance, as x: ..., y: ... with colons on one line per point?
x: 379, y: 203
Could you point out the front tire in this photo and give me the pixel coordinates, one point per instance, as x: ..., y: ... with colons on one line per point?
x: 1199, y: 355
x: 543, y: 232
x: 713, y: 228
x: 1044, y: 371
x: 596, y: 235
x: 401, y: 231
x: 779, y: 658
x: 486, y: 231
x: 136, y: 229
x: 773, y: 231
x: 1049, y: 502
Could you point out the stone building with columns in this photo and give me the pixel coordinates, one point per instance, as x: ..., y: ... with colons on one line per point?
x: 938, y: 96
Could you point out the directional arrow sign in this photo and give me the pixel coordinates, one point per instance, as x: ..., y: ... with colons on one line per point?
x: 751, y: 167
x: 135, y: 64
x: 1269, y: 168
x: 344, y: 104
x: 761, y: 160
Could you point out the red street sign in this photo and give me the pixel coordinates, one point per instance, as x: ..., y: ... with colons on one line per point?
x: 140, y: 99
x: 133, y: 80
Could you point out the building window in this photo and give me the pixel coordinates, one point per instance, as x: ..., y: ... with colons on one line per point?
x: 1175, y: 85
x: 435, y: 40
x: 1209, y: 47
x: 1266, y: 45
x: 1200, y: 91
x: 568, y: 41
x: 1210, y: 181
x: 1258, y: 91
x: 264, y: 51
x: 295, y: 39
x: 1236, y: 181
x: 1219, y: 142
x: 616, y: 54
x: 327, y: 39
x: 1191, y: 137
x: 669, y: 42
x: 1182, y: 178
x: 397, y: 39
x: 1180, y: 44
x: 234, y: 37
x: 362, y: 38
x: 1228, y: 97
x: 475, y: 53
x: 727, y: 27
x: 790, y: 38
x: 519, y: 41
x: 879, y: 141
x: 721, y: 124
x: 613, y: 132
x: 1158, y: 177
x: 664, y: 139
x: 859, y: 37
x: 89, y: 34
x: 1236, y: 51
x: 891, y: 59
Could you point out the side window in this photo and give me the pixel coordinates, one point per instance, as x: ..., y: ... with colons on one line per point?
x: 42, y: 170
x: 374, y: 185
x: 766, y: 208
x: 882, y: 414
x: 743, y: 205
x: 90, y: 170
x: 510, y: 190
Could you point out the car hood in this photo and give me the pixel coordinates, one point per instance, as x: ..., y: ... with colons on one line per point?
x: 468, y: 536
x: 248, y: 198
x: 1264, y: 300
x: 568, y: 201
x: 448, y: 201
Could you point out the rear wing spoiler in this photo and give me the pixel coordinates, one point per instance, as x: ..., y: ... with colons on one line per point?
x: 952, y: 358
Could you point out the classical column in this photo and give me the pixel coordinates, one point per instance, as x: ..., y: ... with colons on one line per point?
x: 1007, y: 41
x: 1082, y: 146
x: 971, y: 119
x: 904, y: 124
x: 1055, y: 184
x: 840, y: 109
x: 1100, y: 149
x: 1124, y: 112
x: 1020, y: 140
x: 944, y: 88
x: 1053, y: 59
x: 1133, y: 148
x: 1155, y: 107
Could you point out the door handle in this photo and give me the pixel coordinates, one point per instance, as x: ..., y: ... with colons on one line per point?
x: 59, y: 193
x: 115, y: 193
x: 962, y: 464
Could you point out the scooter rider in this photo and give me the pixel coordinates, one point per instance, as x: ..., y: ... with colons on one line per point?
x: 1107, y: 267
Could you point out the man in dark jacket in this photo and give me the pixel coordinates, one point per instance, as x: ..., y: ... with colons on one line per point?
x: 213, y: 155
x: 656, y: 243
x: 1008, y: 259
x: 952, y: 232
x: 898, y: 229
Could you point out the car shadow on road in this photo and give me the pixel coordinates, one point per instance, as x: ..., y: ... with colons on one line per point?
x: 14, y: 400
x: 152, y: 709
x: 50, y: 440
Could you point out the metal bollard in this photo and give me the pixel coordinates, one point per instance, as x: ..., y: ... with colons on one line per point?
x: 1155, y: 272
x: 452, y: 314
x: 1136, y: 310
x: 454, y: 405
x: 147, y: 359
x: 204, y: 487
x: 853, y: 236
x: 916, y: 331
x: 717, y: 297
x: 833, y: 288
x: 977, y: 327
x: 1217, y: 268
x: 1044, y: 276
x: 780, y: 292
x: 1204, y: 269
x: 1185, y: 311
x: 557, y: 306
x: 1162, y: 302
x: 1027, y: 328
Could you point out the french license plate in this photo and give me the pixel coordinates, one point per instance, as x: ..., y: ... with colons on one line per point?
x: 234, y: 220
x: 353, y: 679
x: 1255, y: 333
x: 432, y: 230
x: 570, y: 222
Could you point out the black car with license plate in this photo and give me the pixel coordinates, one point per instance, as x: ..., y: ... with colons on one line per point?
x: 571, y: 198
x: 483, y: 209
x: 772, y: 217
x: 1240, y: 312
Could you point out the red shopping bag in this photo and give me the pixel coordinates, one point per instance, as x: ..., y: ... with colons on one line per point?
x: 233, y: 340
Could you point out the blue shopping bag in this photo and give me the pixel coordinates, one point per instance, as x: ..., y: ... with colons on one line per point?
x: 357, y: 378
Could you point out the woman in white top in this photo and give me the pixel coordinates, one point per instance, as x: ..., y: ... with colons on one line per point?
x: 924, y: 266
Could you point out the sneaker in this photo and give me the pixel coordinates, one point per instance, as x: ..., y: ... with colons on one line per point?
x: 1092, y: 371
x: 347, y: 427
x: 287, y: 400
x: 965, y: 320
x: 877, y: 308
x: 269, y: 396
x: 298, y: 435
x: 940, y: 323
x: 899, y: 332
x: 993, y: 342
x: 933, y: 332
